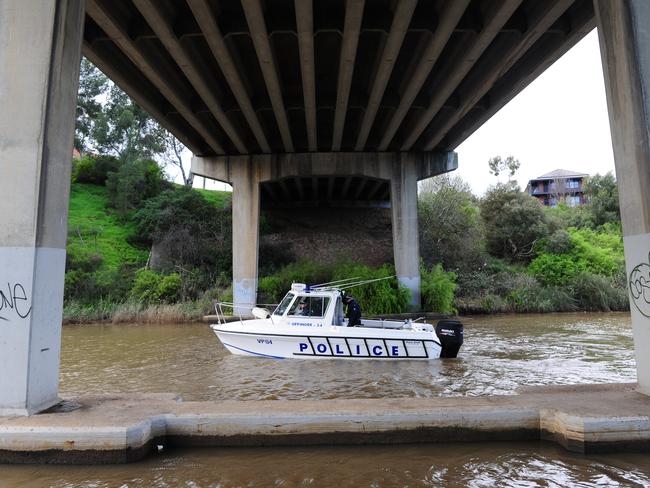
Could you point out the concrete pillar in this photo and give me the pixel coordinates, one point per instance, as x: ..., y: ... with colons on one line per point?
x: 404, y: 207
x: 245, y: 233
x: 40, y: 49
x: 625, y: 51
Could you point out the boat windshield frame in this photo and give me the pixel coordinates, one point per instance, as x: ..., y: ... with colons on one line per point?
x: 284, y: 304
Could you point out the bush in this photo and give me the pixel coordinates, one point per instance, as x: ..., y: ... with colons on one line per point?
x: 514, y: 223
x: 590, y: 251
x: 187, y: 230
x: 381, y: 297
x: 132, y: 184
x: 150, y: 287
x: 80, y: 280
x: 437, y: 290
x: 94, y: 169
x: 450, y: 224
x: 598, y: 293
x: 272, y: 288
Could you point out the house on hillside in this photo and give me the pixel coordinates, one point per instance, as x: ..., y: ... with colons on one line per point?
x: 558, y: 186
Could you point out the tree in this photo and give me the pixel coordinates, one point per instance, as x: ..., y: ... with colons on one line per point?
x: 132, y: 184
x: 498, y: 165
x: 602, y: 199
x: 124, y: 130
x: 514, y: 222
x: 172, y: 157
x: 93, y: 84
x: 187, y: 230
x: 450, y: 225
x: 110, y: 123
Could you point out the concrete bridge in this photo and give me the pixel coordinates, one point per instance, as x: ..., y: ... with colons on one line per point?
x: 287, y: 100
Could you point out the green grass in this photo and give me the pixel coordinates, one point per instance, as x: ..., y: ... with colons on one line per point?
x: 219, y: 199
x: 93, y: 229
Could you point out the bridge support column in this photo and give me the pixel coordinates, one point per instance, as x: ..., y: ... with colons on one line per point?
x: 245, y: 234
x: 625, y: 51
x: 40, y: 49
x: 404, y: 207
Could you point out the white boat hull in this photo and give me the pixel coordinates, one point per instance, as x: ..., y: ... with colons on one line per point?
x: 256, y: 338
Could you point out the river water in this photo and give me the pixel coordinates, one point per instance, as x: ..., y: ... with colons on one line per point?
x: 500, y: 354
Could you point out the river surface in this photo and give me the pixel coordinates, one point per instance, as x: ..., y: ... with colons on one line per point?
x: 500, y: 354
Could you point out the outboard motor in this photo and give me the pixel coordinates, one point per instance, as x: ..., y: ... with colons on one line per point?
x: 450, y: 334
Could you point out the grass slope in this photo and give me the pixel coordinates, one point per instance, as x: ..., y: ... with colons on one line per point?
x: 93, y: 229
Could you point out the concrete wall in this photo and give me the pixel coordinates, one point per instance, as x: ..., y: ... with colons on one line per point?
x: 40, y: 45
x: 246, y: 173
x: 625, y: 50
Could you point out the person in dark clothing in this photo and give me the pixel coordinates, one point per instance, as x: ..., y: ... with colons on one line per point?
x: 353, y: 311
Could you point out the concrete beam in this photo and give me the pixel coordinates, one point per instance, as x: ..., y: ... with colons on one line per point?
x: 542, y: 55
x: 146, y: 99
x: 105, y: 18
x: 208, y: 24
x: 152, y: 13
x: 541, y: 20
x: 497, y: 19
x: 40, y: 53
x: 305, y: 26
x: 399, y: 27
x: 448, y: 22
x: 259, y: 34
x: 272, y: 167
x: 122, y: 428
x: 625, y: 50
x: 351, y: 28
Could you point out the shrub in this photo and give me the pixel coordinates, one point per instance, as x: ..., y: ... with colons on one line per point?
x: 598, y: 293
x: 80, y: 280
x: 437, y: 289
x: 94, y: 169
x: 514, y: 222
x: 187, y: 230
x: 150, y: 287
x: 450, y: 224
x: 132, y: 184
x: 381, y: 297
x: 590, y: 251
x: 272, y: 288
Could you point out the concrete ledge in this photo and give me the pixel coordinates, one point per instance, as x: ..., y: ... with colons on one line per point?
x: 126, y: 428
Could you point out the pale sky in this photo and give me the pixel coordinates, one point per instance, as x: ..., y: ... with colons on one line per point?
x: 558, y: 122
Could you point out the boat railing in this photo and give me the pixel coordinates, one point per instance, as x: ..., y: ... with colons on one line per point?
x: 237, y: 309
x: 220, y: 311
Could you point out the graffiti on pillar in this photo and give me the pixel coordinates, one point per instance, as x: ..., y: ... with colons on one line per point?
x: 14, y: 302
x: 640, y: 288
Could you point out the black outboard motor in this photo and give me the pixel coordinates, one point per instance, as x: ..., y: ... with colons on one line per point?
x: 450, y: 333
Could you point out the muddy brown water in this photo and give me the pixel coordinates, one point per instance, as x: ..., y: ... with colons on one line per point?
x: 500, y: 354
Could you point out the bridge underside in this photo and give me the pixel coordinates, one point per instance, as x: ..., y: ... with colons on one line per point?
x: 341, y: 98
x: 282, y: 76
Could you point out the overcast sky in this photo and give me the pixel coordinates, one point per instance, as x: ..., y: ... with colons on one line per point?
x: 558, y: 122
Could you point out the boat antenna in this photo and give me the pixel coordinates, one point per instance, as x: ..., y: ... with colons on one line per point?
x: 365, y: 282
x: 330, y: 283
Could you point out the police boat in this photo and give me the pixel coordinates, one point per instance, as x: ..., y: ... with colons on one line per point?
x: 309, y: 323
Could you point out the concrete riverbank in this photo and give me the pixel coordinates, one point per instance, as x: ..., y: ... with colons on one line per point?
x: 128, y: 427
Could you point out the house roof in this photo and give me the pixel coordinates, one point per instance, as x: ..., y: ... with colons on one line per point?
x: 561, y: 173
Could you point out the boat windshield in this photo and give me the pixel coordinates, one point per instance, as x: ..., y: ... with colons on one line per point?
x: 284, y: 304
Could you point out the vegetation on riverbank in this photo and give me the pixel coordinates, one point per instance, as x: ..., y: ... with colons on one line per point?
x: 142, y: 249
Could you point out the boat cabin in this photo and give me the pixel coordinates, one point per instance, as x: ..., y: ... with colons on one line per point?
x: 311, y: 308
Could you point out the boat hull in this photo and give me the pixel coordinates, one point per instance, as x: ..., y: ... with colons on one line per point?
x: 328, y: 343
